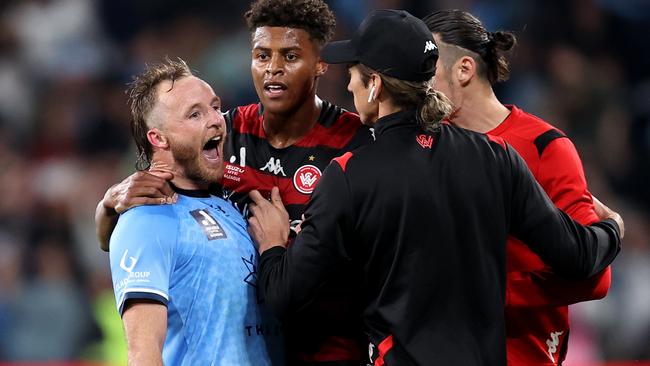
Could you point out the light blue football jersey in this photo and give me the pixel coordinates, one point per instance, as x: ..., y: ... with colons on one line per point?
x: 196, y: 257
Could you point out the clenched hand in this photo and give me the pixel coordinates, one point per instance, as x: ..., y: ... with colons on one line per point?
x: 140, y: 188
x: 269, y: 223
x: 605, y: 212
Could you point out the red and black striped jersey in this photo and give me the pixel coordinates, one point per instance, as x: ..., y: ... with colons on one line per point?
x: 252, y: 163
x: 329, y: 329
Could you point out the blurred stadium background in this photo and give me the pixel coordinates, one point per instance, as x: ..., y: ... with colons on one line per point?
x: 583, y: 65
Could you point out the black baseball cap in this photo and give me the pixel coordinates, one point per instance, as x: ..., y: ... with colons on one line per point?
x: 392, y: 42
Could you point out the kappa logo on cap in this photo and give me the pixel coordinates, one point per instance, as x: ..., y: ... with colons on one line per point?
x: 305, y: 178
x: 429, y: 46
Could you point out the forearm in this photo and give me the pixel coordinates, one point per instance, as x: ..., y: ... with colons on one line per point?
x: 609, y: 245
x: 105, y: 221
x: 545, y: 288
x: 145, y: 326
x: 142, y: 356
x: 272, y: 281
x: 573, y: 250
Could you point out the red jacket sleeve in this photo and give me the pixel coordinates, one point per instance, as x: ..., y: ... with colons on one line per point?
x: 561, y: 174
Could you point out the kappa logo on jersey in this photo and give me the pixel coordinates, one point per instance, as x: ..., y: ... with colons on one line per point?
x: 553, y: 343
x: 429, y: 46
x: 425, y: 141
x: 132, y: 262
x: 274, y: 166
x: 305, y: 178
x: 211, y: 227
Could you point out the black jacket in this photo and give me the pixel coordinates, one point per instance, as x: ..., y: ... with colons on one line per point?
x: 424, y: 218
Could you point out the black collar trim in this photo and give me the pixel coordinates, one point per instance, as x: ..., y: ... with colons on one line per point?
x: 398, y: 118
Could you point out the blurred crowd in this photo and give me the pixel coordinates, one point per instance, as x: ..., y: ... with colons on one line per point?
x: 65, y: 138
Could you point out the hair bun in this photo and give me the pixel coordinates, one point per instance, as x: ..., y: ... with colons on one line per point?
x: 503, y: 41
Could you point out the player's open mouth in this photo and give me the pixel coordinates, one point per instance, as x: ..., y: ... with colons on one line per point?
x: 211, y: 149
x: 274, y: 88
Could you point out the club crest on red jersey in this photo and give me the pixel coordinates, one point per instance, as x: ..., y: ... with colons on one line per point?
x: 305, y: 178
x: 425, y: 141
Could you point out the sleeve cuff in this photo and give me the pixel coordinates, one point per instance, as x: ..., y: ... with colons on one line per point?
x: 273, y: 251
x: 613, y: 225
x: 141, y: 295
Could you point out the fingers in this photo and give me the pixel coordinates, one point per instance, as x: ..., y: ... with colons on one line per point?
x: 138, y: 196
x: 254, y: 209
x: 257, y: 198
x: 298, y: 227
x: 152, y: 192
x: 162, y: 174
x: 601, y: 210
x: 275, y: 198
x: 159, y: 180
x: 605, y: 212
x: 269, y: 221
x: 139, y: 201
x: 141, y: 188
x: 621, y: 224
x: 157, y: 165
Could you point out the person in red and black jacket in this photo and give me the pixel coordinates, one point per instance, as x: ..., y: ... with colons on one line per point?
x: 423, y: 213
x: 471, y: 61
x: 285, y: 140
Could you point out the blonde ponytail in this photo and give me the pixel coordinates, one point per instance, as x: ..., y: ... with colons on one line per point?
x: 434, y: 108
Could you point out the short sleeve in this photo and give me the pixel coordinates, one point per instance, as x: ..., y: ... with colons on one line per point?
x: 141, y: 254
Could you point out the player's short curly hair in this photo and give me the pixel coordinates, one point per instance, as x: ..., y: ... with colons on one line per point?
x: 314, y: 16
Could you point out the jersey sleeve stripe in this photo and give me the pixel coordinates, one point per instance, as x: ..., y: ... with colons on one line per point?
x: 142, y: 293
x: 542, y: 141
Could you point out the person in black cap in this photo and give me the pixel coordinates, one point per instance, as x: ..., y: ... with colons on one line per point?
x: 423, y: 213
